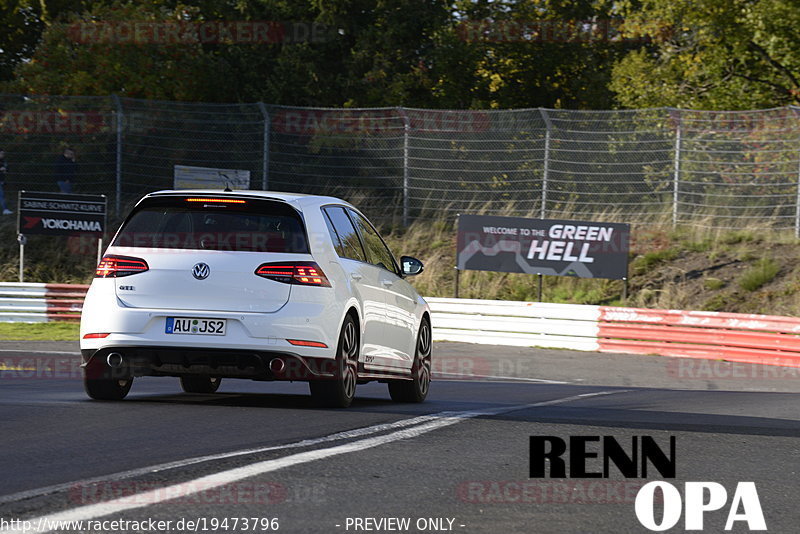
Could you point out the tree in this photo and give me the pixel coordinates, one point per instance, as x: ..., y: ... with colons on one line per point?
x: 21, y: 25
x: 715, y: 54
x: 429, y: 53
x: 97, y: 52
x: 548, y: 53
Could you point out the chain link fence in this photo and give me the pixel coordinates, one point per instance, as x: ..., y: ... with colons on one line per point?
x: 716, y: 169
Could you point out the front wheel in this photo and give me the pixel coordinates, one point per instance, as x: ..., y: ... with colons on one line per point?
x: 107, y: 389
x: 416, y: 389
x: 339, y: 391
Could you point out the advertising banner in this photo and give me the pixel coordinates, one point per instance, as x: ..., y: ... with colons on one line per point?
x: 46, y: 213
x: 543, y: 246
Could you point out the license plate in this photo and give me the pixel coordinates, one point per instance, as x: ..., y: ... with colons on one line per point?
x: 195, y: 326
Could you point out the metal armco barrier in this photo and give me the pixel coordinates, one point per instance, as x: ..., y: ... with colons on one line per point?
x: 40, y: 303
x: 521, y: 324
x: 747, y: 338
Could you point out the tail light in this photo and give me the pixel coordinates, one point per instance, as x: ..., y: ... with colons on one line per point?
x: 117, y: 266
x: 304, y: 343
x: 306, y: 273
x: 217, y: 200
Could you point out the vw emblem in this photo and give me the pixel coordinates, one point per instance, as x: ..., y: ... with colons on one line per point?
x: 201, y: 271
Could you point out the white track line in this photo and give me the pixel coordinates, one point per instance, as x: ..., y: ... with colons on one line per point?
x: 153, y: 497
x: 347, y: 434
x: 25, y: 351
x: 463, y: 377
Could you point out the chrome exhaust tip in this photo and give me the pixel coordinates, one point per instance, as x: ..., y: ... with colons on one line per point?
x: 114, y: 359
x: 277, y: 365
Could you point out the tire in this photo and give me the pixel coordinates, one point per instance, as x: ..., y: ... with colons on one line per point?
x: 416, y: 389
x: 340, y: 391
x: 107, y: 389
x: 200, y: 384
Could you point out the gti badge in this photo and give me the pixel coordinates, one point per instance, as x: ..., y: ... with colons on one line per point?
x: 201, y: 271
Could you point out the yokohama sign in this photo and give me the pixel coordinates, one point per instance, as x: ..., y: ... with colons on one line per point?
x: 61, y: 214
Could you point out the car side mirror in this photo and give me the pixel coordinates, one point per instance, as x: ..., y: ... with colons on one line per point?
x: 411, y: 266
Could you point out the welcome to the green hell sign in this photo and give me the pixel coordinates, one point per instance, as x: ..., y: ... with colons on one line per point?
x: 541, y: 246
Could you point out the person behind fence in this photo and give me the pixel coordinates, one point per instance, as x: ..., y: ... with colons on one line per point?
x: 3, y: 174
x: 66, y: 170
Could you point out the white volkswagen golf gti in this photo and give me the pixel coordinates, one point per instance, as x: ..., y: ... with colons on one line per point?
x: 205, y: 285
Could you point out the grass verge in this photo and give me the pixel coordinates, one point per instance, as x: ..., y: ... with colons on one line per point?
x: 760, y: 274
x: 39, y: 331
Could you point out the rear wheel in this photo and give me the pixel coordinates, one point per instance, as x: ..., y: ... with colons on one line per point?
x: 416, y: 389
x: 200, y: 384
x: 107, y: 389
x: 339, y: 391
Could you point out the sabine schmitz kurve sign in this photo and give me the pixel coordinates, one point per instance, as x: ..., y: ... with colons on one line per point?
x: 48, y: 213
x: 543, y: 246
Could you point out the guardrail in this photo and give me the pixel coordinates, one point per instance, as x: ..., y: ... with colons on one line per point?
x: 523, y: 324
x: 748, y: 338
x: 22, y: 302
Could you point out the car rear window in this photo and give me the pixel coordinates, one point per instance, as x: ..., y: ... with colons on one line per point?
x: 214, y: 223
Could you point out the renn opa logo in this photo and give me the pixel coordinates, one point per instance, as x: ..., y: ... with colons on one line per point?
x: 593, y: 456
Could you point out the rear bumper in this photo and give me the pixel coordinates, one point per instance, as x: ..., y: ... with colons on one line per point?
x: 245, y: 332
x: 181, y: 361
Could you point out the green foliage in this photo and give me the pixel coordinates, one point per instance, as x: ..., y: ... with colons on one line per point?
x: 699, y: 246
x: 716, y: 303
x: 498, y: 64
x: 21, y: 26
x: 371, y: 53
x: 746, y: 254
x: 72, y: 58
x: 647, y: 261
x: 715, y: 54
x: 712, y: 284
x: 40, y: 331
x: 734, y: 238
x: 758, y: 275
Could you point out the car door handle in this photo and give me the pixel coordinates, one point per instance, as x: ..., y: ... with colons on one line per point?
x: 387, y: 283
x: 355, y: 276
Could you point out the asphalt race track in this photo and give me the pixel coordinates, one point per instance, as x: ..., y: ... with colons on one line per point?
x: 458, y: 462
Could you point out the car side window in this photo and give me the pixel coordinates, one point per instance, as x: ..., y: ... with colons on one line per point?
x: 344, y: 236
x: 337, y: 243
x: 377, y: 251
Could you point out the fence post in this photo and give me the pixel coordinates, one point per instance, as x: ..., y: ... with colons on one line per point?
x: 265, y: 148
x: 796, y: 113
x: 406, y: 170
x: 120, y: 118
x: 677, y: 170
x: 797, y: 206
x: 546, y: 169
